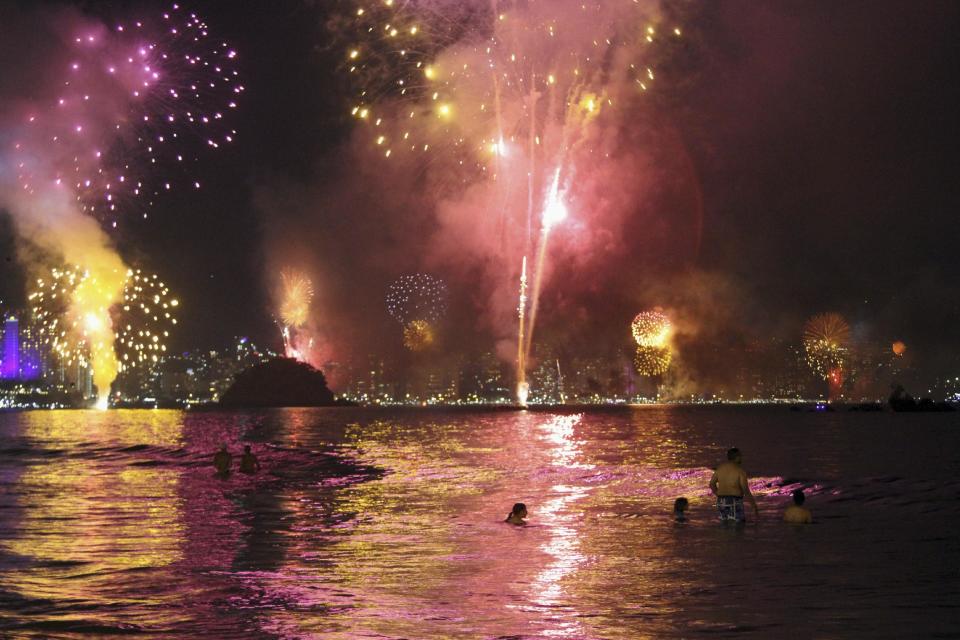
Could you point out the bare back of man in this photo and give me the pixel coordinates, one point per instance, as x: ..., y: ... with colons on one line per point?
x: 729, y: 480
x: 729, y: 483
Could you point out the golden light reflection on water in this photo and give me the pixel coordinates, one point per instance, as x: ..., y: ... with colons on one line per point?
x: 384, y: 524
x: 87, y: 514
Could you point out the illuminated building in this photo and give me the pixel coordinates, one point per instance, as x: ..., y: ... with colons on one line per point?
x: 10, y: 366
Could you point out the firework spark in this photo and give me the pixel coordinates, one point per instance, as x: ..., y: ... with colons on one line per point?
x: 133, y: 102
x: 554, y: 212
x: 652, y: 329
x: 523, y: 388
x: 652, y: 361
x: 135, y: 98
x: 418, y: 335
x: 417, y: 297
x: 49, y: 303
x: 296, y: 297
x: 499, y: 90
x: 825, y: 341
x: 145, y: 319
x: 466, y: 76
x: 77, y: 325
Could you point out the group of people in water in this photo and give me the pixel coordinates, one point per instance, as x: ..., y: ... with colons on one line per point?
x: 223, y: 461
x: 730, y: 486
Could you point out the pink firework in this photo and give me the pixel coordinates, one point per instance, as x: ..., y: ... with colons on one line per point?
x: 136, y: 102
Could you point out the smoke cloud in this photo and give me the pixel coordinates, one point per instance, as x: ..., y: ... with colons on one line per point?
x: 453, y: 178
x: 45, y: 209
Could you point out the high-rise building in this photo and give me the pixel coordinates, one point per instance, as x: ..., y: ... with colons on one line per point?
x: 10, y: 365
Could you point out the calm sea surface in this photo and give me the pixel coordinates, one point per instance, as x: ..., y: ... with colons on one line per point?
x: 388, y: 524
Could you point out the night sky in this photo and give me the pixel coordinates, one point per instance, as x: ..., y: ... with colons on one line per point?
x: 803, y: 164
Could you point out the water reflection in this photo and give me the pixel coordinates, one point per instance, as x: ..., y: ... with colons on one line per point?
x: 390, y: 523
x: 563, y: 523
x: 76, y: 513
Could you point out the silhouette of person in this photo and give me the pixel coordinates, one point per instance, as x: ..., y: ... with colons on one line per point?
x: 249, y: 462
x: 679, y: 508
x: 222, y: 460
x: 797, y: 513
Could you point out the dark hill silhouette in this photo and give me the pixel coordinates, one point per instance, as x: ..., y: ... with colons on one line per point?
x: 900, y: 400
x: 280, y: 382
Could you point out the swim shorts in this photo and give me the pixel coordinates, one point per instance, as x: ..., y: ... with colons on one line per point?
x: 731, y: 508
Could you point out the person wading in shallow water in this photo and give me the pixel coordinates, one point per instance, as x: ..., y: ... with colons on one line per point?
x: 729, y: 484
x: 222, y: 461
x: 249, y: 462
x: 517, y: 515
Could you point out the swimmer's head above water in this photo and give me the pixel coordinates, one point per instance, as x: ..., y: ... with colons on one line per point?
x: 518, y: 514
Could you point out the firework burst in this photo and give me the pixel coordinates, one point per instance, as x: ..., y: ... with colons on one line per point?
x: 296, y: 296
x: 136, y: 99
x: 49, y: 303
x: 417, y: 297
x: 505, y: 92
x: 652, y: 361
x: 467, y: 76
x: 144, y: 319
x: 652, y: 329
x: 826, y: 339
x: 418, y: 335
x: 67, y: 309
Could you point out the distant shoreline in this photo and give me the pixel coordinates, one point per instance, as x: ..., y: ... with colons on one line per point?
x: 810, y: 406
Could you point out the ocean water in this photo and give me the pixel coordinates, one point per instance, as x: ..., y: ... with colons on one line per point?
x: 384, y: 523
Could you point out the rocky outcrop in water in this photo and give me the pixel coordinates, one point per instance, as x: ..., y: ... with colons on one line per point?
x: 280, y: 382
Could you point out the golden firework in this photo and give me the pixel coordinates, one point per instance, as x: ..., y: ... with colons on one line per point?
x: 297, y: 294
x: 652, y: 329
x: 825, y: 341
x: 418, y: 335
x: 77, y: 331
x: 652, y: 361
x: 146, y: 318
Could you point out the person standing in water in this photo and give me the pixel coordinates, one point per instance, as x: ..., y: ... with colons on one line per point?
x: 249, y: 462
x: 729, y: 484
x: 222, y: 460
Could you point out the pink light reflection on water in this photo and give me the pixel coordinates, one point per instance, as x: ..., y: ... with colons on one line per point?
x: 408, y: 539
x: 562, y: 546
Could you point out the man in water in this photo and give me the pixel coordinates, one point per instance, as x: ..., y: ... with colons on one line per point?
x: 729, y: 484
x: 222, y: 460
x: 249, y: 462
x: 797, y: 513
